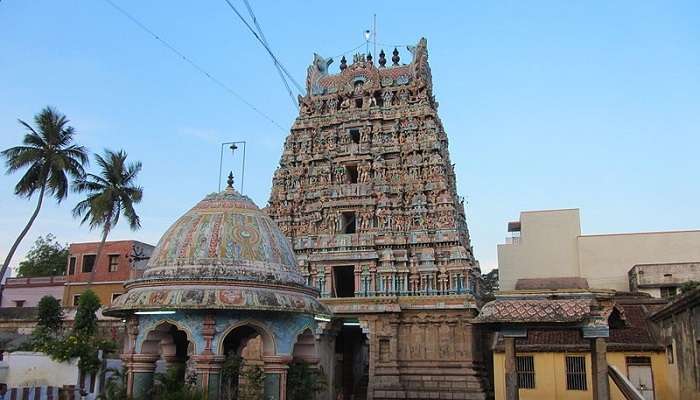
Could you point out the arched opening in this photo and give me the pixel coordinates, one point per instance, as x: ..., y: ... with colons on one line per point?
x: 242, y: 374
x: 306, y: 379
x: 175, y: 349
x: 351, y: 361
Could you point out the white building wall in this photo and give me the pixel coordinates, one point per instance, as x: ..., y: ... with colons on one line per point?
x: 551, y: 246
x: 24, y: 368
x: 546, y: 248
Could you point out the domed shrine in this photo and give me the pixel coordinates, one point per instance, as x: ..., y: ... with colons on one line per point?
x: 223, y: 274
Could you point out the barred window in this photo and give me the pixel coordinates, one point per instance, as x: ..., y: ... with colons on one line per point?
x: 576, y: 373
x: 525, y: 366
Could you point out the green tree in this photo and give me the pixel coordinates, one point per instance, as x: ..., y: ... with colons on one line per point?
x: 49, y: 156
x: 688, y: 286
x: 489, y: 285
x: 47, y: 257
x: 303, y: 382
x: 171, y: 386
x: 85, y: 318
x: 50, y: 313
x: 115, y: 385
x: 110, y: 194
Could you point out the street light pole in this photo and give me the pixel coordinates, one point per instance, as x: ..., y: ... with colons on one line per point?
x: 233, y: 146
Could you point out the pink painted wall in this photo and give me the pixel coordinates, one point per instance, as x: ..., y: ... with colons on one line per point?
x: 31, y: 290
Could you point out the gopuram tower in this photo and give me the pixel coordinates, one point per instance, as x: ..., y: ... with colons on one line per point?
x: 367, y: 194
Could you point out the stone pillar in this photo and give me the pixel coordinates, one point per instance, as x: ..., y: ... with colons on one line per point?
x: 208, y: 367
x: 139, y: 375
x: 276, y: 377
x: 511, y: 372
x: 599, y: 369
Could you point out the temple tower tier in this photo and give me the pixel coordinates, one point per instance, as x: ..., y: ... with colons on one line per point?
x: 366, y: 192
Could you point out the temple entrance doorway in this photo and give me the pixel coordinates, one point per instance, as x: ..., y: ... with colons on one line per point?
x: 352, y: 361
x: 242, y: 374
x: 171, y: 349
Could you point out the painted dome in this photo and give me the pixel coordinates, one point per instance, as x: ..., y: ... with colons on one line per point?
x: 225, y: 236
x: 224, y: 253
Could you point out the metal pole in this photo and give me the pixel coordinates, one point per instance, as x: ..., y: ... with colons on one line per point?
x: 221, y: 163
x: 243, y: 167
x: 221, y: 160
x: 374, y: 34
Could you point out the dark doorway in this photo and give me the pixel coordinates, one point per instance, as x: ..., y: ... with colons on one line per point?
x: 355, y: 133
x: 351, y: 171
x: 349, y: 222
x: 344, y: 281
x: 352, y: 361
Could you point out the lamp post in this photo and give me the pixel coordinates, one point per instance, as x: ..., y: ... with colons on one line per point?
x: 233, y: 146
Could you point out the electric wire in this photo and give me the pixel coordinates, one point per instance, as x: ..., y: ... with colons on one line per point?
x: 275, y: 62
x: 193, y: 64
x: 267, y: 48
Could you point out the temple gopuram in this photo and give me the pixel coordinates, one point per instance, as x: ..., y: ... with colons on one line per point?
x: 366, y: 193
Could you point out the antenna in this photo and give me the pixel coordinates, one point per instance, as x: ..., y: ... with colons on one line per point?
x: 233, y: 146
x: 374, y: 35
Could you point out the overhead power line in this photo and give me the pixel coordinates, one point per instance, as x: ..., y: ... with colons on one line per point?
x: 278, y: 67
x: 193, y: 64
x: 262, y: 41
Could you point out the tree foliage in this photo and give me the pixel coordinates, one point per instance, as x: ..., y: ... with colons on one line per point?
x: 489, y: 285
x: 85, y: 317
x: 50, y: 313
x: 688, y: 286
x: 80, y: 342
x: 49, y: 158
x: 109, y: 195
x: 304, y: 382
x: 47, y: 257
x: 171, y: 386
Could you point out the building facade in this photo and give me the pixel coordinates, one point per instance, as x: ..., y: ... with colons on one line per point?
x: 367, y: 194
x: 120, y: 261
x: 678, y: 327
x: 26, y: 292
x: 662, y: 280
x: 547, y: 244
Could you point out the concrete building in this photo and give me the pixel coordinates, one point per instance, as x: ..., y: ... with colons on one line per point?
x: 120, y: 261
x: 662, y: 280
x: 547, y: 244
x: 26, y: 292
x: 679, y: 331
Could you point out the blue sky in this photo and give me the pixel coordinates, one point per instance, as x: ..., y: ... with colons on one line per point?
x: 547, y: 104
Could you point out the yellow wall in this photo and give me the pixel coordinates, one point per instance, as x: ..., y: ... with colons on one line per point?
x: 103, y: 290
x: 550, y: 376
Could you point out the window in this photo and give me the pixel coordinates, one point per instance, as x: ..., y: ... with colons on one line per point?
x: 669, y: 353
x: 576, y: 373
x: 525, y: 366
x: 76, y: 300
x: 88, y: 262
x: 351, y: 173
x: 668, y: 292
x: 355, y: 134
x: 19, y: 303
x: 349, y: 222
x: 344, y: 281
x: 71, y: 266
x: 113, y: 262
x: 115, y: 295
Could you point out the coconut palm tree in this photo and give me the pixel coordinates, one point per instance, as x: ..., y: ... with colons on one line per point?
x: 110, y: 194
x: 49, y: 155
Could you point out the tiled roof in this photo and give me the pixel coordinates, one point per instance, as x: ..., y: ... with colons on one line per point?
x: 636, y: 335
x: 535, y: 311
